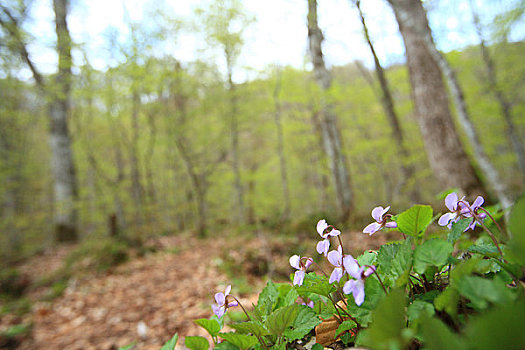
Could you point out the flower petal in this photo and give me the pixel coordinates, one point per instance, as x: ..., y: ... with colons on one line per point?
x: 349, y: 286
x: 351, y: 266
x: 218, y: 310
x: 233, y: 303
x: 370, y: 271
x: 308, y: 262
x: 451, y: 201
x: 478, y: 202
x: 334, y: 233
x: 220, y: 298
x: 294, y: 261
x: 359, y: 292
x: 377, y: 214
x: 321, y: 226
x: 298, y: 278
x: 228, y: 290
x: 335, y: 258
x: 323, y: 246
x: 336, y: 275
x: 445, y: 218
x: 372, y: 228
x: 391, y: 224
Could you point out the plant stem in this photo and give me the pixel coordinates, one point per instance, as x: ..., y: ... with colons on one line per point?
x: 495, y: 222
x: 379, y: 279
x: 345, y: 311
x: 249, y: 318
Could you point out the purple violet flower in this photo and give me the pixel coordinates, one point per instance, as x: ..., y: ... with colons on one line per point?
x: 297, y: 262
x: 324, y: 245
x: 378, y: 213
x: 356, y: 287
x: 310, y: 304
x: 222, y: 302
x: 457, y: 208
x: 336, y: 258
x: 474, y: 207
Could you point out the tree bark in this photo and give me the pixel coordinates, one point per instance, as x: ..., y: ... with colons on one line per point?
x: 445, y: 151
x: 65, y: 181
x: 329, y: 128
x: 407, y: 170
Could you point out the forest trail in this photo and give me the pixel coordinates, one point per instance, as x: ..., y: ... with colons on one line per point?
x: 165, y: 291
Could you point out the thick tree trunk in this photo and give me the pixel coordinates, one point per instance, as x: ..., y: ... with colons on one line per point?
x: 445, y: 152
x: 329, y: 129
x: 387, y: 102
x: 280, y: 148
x: 504, y: 104
x: 65, y: 182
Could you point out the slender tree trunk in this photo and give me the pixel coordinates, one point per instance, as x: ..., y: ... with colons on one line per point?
x: 445, y: 152
x: 280, y: 148
x: 387, y: 102
x: 329, y: 128
x: 234, y: 132
x: 64, y: 174
x: 136, y: 186
x: 504, y: 104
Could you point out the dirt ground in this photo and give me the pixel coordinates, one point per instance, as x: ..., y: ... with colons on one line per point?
x: 164, y: 291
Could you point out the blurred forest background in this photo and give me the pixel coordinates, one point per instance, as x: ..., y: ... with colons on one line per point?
x: 153, y: 145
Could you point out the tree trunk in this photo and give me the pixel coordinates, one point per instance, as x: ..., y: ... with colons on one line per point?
x: 280, y: 148
x: 65, y: 182
x: 445, y: 152
x: 504, y: 104
x: 407, y: 170
x: 329, y: 129
x: 234, y: 132
x: 136, y: 186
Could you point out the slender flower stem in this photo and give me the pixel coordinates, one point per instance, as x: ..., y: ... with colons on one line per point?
x: 495, y: 222
x: 249, y: 318
x: 337, y: 308
x: 379, y: 279
x: 341, y: 244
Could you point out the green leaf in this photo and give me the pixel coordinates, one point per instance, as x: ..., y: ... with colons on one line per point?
x: 305, y: 321
x: 517, y: 230
x: 315, y: 284
x: 317, y: 347
x: 127, y: 347
x: 242, y: 341
x: 419, y: 310
x: 268, y: 298
x: 394, y: 260
x: 486, y: 249
x: 226, y: 346
x: 211, y: 326
x: 457, y: 229
x: 195, y: 343
x: 290, y: 297
x: 373, y: 294
x: 414, y: 221
x: 388, y: 321
x: 434, y: 252
x: 345, y: 326
x: 448, y: 301
x: 170, y: 344
x: 281, y: 319
x: 367, y: 258
x: 437, y: 336
x: 250, y: 327
x: 482, y: 291
x: 499, y: 328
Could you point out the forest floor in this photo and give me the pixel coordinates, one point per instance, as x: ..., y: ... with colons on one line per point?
x: 165, y: 291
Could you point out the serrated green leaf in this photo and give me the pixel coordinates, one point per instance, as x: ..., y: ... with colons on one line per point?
x: 250, y: 327
x: 281, y: 319
x: 457, y: 229
x: 482, y: 291
x: 345, y: 326
x: 226, y: 346
x: 414, y: 221
x: 486, y: 249
x: 268, y: 298
x: 242, y: 341
x: 317, y: 347
x: 367, y: 258
x: 290, y: 297
x: 195, y: 342
x: 170, y: 344
x: 434, y: 252
x: 211, y: 326
x: 305, y: 321
x: 395, y: 260
x: 315, y: 284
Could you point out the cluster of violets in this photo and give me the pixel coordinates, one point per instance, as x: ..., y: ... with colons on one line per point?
x: 346, y: 264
